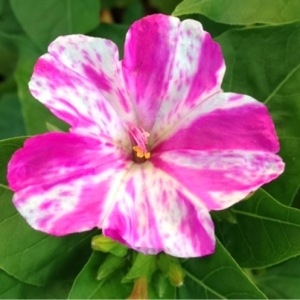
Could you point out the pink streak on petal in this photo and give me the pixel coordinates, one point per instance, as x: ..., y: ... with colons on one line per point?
x: 152, y: 214
x: 145, y: 65
x: 246, y: 125
x: 76, y: 100
x: 206, y: 78
x: 61, y: 181
x: 220, y: 178
x: 169, y: 77
x: 97, y: 60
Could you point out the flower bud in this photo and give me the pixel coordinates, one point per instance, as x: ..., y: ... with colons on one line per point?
x: 106, y: 244
x: 110, y: 265
x: 171, y: 267
x: 140, y: 289
x: 175, y: 274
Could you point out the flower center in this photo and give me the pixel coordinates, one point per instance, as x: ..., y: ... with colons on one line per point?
x: 139, y: 137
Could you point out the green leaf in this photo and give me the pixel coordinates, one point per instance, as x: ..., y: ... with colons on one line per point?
x: 281, y: 281
x: 242, y: 12
x: 287, y: 185
x: 11, y: 119
x: 7, y: 148
x: 216, y: 277
x: 43, y: 21
x: 8, y: 22
x: 34, y: 257
x: 86, y: 286
x: 264, y: 62
x: 8, y: 57
x: 266, y: 232
x: 11, y: 288
x: 165, y: 7
x: 133, y: 12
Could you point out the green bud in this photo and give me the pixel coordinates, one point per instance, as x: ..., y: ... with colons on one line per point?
x: 161, y: 284
x: 175, y: 274
x: 102, y: 243
x: 143, y: 266
x: 110, y: 265
x: 106, y: 244
x: 170, y: 266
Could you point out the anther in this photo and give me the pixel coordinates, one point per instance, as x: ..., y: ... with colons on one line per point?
x: 140, y: 151
x: 138, y: 155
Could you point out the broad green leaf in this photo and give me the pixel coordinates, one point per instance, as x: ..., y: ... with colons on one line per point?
x: 133, y: 12
x: 36, y: 116
x: 260, y: 59
x: 165, y: 7
x: 43, y: 21
x: 108, y: 4
x: 7, y: 148
x: 242, y: 12
x: 34, y: 257
x: 264, y: 62
x: 8, y: 22
x: 287, y: 185
x: 11, y: 288
x: 11, y: 119
x: 216, y: 276
x: 281, y: 281
x: 266, y: 232
x: 8, y: 57
x: 86, y: 286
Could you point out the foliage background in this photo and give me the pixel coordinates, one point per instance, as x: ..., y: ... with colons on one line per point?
x: 258, y: 240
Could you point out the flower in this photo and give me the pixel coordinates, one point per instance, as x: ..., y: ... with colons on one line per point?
x: 154, y: 143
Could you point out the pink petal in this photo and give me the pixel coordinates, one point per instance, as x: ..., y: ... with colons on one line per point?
x: 220, y: 178
x: 80, y: 82
x: 225, y: 122
x: 97, y: 60
x: 169, y: 68
x: 62, y: 181
x: 152, y: 213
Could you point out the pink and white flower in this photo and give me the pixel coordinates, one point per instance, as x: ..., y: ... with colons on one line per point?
x: 154, y: 144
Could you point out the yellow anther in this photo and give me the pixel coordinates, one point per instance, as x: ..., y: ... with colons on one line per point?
x: 139, y: 155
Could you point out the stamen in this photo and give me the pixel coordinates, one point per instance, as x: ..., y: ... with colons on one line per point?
x: 139, y: 135
x: 138, y: 155
x: 140, y: 152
